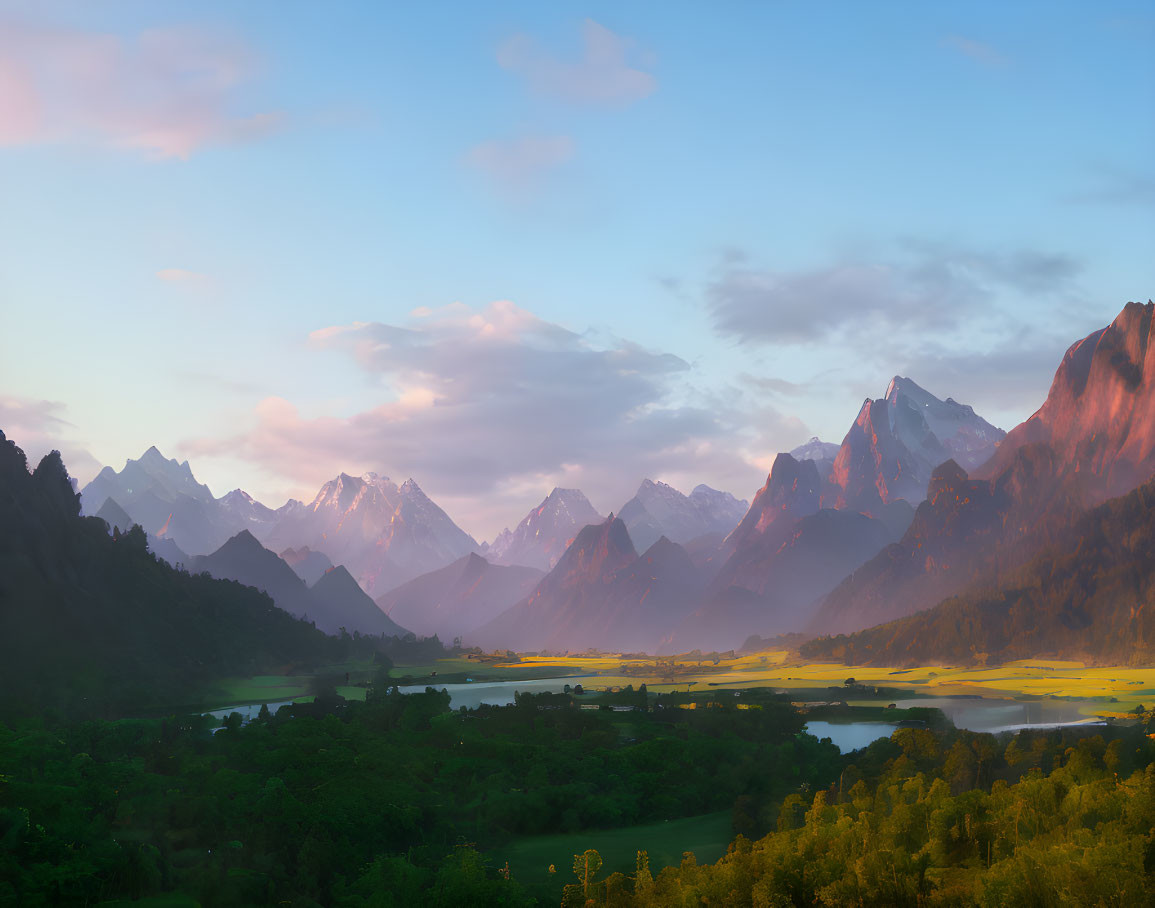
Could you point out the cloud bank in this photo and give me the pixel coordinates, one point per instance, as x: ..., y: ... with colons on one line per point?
x: 489, y: 408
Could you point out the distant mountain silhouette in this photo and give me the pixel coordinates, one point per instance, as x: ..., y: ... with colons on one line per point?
x: 454, y: 600
x: 659, y: 510
x: 541, y: 538
x: 602, y: 594
x: 330, y: 605
x: 344, y: 604
x: 115, y: 516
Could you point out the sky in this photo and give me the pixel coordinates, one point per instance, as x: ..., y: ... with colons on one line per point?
x: 506, y: 246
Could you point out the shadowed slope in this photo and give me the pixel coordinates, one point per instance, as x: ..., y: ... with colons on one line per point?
x: 458, y: 598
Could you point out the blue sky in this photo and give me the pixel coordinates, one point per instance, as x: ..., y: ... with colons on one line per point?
x: 499, y: 247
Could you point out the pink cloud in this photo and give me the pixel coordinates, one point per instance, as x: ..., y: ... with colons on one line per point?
x: 601, y: 77
x: 165, y: 92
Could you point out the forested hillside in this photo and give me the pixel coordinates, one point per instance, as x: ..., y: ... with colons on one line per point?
x: 94, y: 625
x: 1088, y: 596
x: 919, y: 819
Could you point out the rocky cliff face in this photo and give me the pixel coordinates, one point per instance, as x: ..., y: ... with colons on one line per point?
x: 823, y: 515
x: 1099, y: 415
x: 1093, y: 438
x: 895, y: 443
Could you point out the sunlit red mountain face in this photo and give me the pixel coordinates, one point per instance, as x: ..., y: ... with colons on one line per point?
x: 1092, y: 439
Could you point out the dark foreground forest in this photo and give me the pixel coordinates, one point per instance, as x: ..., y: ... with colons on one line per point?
x: 401, y: 801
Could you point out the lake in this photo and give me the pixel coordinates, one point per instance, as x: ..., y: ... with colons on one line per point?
x: 848, y: 736
x: 971, y: 713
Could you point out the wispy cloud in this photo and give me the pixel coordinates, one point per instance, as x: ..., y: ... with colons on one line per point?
x: 602, y: 76
x: 519, y: 165
x: 166, y: 92
x: 976, y: 50
x: 926, y: 287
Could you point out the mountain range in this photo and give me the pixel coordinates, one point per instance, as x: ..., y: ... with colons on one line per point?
x: 923, y: 500
x: 383, y: 533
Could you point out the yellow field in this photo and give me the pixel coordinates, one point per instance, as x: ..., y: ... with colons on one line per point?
x: 779, y: 669
x: 1130, y: 686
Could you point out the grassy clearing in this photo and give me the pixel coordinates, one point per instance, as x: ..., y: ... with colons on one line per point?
x: 529, y: 858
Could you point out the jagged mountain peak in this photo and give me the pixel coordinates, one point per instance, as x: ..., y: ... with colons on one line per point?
x: 155, y: 463
x: 896, y: 442
x: 153, y: 454
x: 597, y: 546
x: 657, y: 487
x: 543, y: 534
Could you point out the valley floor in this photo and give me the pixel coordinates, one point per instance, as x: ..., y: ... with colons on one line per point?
x: 1092, y: 691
